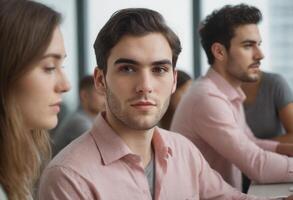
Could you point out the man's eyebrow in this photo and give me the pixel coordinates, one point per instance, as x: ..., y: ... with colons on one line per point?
x: 250, y: 41
x: 54, y: 55
x: 125, y: 60
x: 162, y: 62
x: 134, y: 62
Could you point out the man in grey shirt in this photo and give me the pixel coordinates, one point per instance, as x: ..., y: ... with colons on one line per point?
x: 269, y: 107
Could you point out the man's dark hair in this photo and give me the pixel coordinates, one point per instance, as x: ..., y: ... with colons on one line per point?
x: 135, y: 22
x: 86, y: 83
x: 182, y: 78
x: 221, y: 24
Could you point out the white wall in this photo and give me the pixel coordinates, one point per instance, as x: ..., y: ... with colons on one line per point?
x: 178, y: 15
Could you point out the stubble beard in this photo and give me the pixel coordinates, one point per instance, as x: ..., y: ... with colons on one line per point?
x: 129, y: 120
x: 249, y: 78
x: 244, y: 75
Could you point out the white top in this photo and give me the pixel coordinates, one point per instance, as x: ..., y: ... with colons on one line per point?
x: 2, y: 194
x: 271, y: 190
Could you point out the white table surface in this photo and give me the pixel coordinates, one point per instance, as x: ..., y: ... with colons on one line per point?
x: 271, y: 190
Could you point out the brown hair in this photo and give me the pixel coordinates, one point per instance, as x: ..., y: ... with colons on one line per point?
x: 26, y: 29
x: 135, y: 22
x: 87, y: 83
x: 220, y: 25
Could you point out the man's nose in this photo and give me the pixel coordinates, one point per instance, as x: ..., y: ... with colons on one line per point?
x: 144, y: 83
x: 259, y: 54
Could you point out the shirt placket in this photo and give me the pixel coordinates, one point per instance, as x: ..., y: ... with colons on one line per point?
x: 161, y: 170
x: 139, y: 176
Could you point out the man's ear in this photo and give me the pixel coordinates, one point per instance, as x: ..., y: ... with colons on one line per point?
x: 219, y: 51
x: 100, y: 83
x: 83, y: 95
x: 175, y: 81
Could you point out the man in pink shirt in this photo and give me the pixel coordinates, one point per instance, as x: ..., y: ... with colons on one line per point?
x: 124, y: 155
x: 211, y: 113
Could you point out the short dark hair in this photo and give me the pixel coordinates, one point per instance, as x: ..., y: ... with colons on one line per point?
x: 87, y: 82
x: 182, y: 78
x: 136, y: 22
x: 221, y: 24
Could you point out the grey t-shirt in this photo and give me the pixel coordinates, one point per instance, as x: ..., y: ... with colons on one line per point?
x: 262, y: 116
x: 150, y: 174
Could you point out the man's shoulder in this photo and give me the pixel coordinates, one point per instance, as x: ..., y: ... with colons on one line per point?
x: 206, y: 87
x: 77, y: 154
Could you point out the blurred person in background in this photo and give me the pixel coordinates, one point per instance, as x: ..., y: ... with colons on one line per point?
x: 183, y: 83
x: 92, y: 102
x: 268, y: 110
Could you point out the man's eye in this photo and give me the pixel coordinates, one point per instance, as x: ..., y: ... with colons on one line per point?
x: 126, y: 69
x: 160, y: 69
x: 247, y: 45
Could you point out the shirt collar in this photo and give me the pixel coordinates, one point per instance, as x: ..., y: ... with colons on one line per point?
x: 225, y: 87
x: 160, y: 144
x: 112, y: 147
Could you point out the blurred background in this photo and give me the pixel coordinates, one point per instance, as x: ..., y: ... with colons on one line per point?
x: 82, y: 20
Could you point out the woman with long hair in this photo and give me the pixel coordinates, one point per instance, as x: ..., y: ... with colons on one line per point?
x: 32, y: 81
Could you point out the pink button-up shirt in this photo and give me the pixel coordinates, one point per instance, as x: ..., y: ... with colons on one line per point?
x: 99, y: 165
x: 211, y: 116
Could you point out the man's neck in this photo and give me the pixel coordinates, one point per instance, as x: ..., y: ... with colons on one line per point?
x: 231, y: 80
x: 138, y: 141
x: 251, y: 90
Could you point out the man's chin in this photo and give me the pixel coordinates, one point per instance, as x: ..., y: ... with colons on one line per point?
x: 252, y: 78
x: 253, y: 75
x: 256, y: 75
x: 143, y: 124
